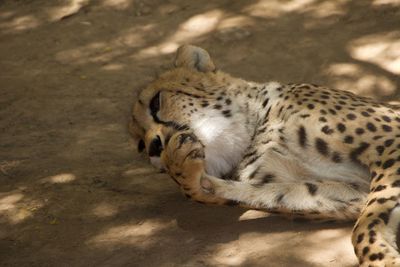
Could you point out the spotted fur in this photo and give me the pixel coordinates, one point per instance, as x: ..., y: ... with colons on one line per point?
x: 297, y: 149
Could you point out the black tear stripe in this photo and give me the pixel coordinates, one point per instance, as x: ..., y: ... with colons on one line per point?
x: 171, y: 124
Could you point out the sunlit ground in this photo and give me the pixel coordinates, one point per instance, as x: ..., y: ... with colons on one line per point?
x: 72, y: 190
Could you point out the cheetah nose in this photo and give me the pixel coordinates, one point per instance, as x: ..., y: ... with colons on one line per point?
x: 155, y: 147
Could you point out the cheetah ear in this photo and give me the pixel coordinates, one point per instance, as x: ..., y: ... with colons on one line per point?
x: 194, y: 57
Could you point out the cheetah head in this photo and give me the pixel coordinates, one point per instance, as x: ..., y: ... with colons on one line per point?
x: 190, y: 97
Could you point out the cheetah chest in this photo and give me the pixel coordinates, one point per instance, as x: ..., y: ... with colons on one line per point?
x: 225, y: 140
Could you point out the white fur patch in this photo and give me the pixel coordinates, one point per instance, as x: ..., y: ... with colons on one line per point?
x: 225, y: 140
x: 156, y: 162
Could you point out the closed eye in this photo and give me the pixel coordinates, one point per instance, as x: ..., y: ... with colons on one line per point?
x: 155, y: 104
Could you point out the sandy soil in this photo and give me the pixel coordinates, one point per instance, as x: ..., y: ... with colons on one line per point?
x: 73, y: 191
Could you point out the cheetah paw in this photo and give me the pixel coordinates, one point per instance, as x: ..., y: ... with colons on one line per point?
x: 184, y: 157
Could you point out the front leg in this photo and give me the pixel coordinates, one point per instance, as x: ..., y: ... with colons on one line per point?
x: 308, y: 199
x: 273, y: 182
x: 184, y: 159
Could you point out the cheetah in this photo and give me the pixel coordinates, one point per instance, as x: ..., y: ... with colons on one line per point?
x: 297, y: 149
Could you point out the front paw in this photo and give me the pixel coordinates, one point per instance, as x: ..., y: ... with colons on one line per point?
x: 207, y: 185
x: 184, y: 160
x: 184, y: 157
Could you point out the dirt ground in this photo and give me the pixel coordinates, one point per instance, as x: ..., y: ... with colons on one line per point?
x: 73, y: 190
